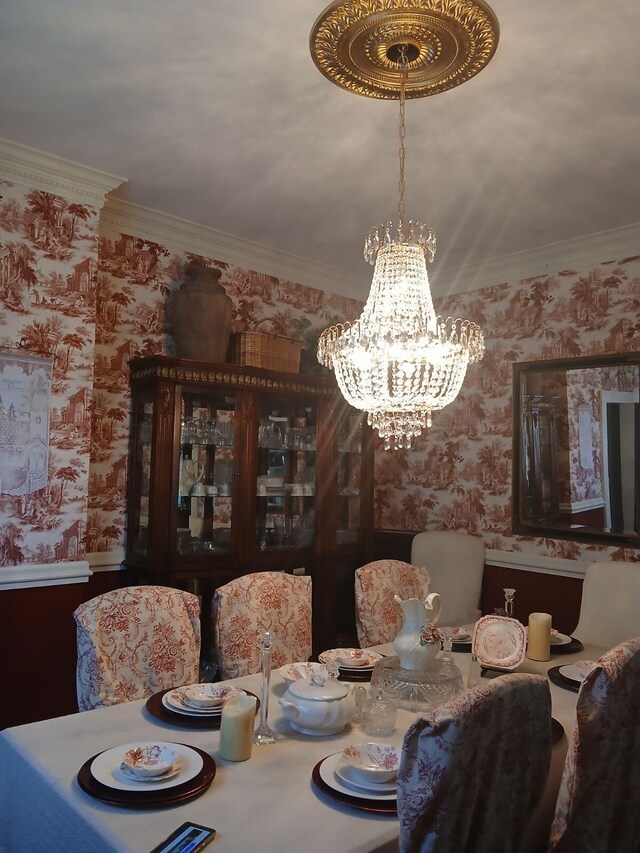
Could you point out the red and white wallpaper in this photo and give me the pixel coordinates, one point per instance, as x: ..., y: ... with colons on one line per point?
x: 94, y: 298
x: 458, y: 474
x: 47, y: 297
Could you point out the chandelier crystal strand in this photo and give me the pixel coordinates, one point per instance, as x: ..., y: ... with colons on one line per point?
x: 399, y: 362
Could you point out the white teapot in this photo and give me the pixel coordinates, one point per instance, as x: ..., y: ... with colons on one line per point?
x: 318, y: 706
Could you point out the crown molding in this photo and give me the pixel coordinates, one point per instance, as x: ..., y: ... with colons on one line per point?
x: 578, y: 253
x: 28, y: 575
x: 39, y: 170
x: 183, y: 235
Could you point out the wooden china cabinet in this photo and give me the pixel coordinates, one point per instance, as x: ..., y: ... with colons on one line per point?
x: 239, y: 469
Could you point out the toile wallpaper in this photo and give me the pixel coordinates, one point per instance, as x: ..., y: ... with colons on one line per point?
x: 93, y: 297
x: 458, y: 474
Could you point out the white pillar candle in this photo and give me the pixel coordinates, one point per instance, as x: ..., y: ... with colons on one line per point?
x: 236, y: 728
x: 539, y: 640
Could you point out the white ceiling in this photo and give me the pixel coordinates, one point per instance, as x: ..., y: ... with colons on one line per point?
x: 214, y: 112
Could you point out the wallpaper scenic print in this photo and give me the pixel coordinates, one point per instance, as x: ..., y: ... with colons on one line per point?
x: 458, y: 474
x: 92, y: 298
x: 47, y: 308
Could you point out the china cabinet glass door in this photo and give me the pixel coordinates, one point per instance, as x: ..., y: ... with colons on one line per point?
x: 286, y: 476
x: 205, y: 473
x: 349, y: 478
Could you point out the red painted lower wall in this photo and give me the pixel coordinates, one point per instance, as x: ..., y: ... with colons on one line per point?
x: 38, y: 642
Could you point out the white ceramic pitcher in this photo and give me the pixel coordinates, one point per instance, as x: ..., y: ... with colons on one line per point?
x: 412, y: 645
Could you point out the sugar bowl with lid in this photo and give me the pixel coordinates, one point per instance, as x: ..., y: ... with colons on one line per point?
x: 318, y: 706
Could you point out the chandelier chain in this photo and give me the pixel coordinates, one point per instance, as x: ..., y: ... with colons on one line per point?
x: 401, y: 132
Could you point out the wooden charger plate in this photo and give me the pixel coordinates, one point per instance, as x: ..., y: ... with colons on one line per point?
x: 149, y: 799
x: 389, y: 807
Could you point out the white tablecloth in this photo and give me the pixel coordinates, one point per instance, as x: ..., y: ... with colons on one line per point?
x: 267, y: 803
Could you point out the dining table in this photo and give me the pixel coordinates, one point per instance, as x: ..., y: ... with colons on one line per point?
x: 268, y: 802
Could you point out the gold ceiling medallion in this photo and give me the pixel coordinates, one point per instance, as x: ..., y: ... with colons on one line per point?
x: 353, y: 43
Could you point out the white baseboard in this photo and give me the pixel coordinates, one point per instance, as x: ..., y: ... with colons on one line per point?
x: 44, y: 574
x: 528, y: 562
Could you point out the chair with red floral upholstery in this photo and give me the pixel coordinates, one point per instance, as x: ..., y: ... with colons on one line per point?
x: 248, y: 606
x: 135, y: 641
x: 598, y: 806
x: 378, y: 615
x: 473, y: 770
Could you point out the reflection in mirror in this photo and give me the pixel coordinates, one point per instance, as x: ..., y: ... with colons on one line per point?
x: 577, y: 449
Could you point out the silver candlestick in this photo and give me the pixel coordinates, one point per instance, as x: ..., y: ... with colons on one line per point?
x: 263, y: 734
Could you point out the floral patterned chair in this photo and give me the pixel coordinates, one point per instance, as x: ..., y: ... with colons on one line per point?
x: 598, y: 806
x: 473, y: 770
x: 378, y: 616
x: 135, y: 641
x: 262, y: 601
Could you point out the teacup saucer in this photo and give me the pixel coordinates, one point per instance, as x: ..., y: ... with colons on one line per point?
x: 344, y: 772
x: 129, y: 774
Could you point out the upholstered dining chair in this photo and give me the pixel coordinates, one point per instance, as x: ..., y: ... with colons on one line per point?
x: 134, y: 641
x: 455, y: 562
x: 378, y: 616
x: 598, y: 806
x: 610, y: 606
x: 248, y: 606
x: 473, y: 770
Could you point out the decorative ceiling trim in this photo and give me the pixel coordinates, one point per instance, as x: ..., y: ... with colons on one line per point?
x: 580, y: 253
x: 355, y: 44
x: 39, y: 170
x: 183, y: 235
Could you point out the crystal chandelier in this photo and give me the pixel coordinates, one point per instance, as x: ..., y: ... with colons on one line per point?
x: 398, y: 361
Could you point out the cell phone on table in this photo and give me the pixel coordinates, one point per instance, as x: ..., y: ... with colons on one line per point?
x: 188, y: 838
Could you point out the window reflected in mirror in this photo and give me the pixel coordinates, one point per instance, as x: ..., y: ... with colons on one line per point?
x: 577, y: 449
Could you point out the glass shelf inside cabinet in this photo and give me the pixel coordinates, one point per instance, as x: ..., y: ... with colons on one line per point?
x: 286, y: 479
x: 349, y: 478
x: 205, y: 473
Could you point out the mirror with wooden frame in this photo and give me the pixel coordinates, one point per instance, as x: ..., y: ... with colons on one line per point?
x: 576, y: 449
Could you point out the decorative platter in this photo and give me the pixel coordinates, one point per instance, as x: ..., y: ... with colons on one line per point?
x: 499, y: 642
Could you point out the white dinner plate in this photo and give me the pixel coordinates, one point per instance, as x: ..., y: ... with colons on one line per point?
x: 575, y: 672
x: 331, y: 656
x: 464, y: 635
x: 499, y: 642
x: 559, y: 639
x: 105, y: 768
x: 344, y: 772
x: 298, y: 671
x: 173, y: 701
x: 328, y: 775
